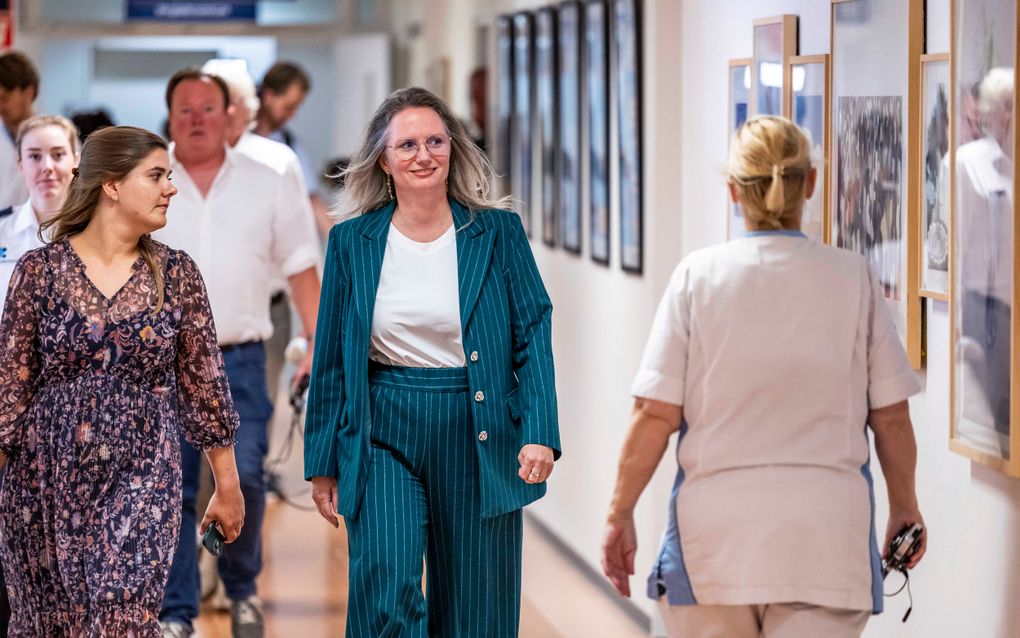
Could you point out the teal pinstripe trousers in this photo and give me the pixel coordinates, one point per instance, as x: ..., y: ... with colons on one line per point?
x: 422, y: 499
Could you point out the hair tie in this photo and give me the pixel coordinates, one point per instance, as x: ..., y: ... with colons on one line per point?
x: 74, y: 171
x: 778, y: 171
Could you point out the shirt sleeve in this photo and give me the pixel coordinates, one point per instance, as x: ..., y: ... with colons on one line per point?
x: 19, y: 358
x: 295, y: 240
x: 890, y: 377
x: 205, y: 408
x: 662, y: 375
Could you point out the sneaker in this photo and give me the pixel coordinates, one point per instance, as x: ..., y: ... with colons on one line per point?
x: 175, y: 629
x: 246, y: 618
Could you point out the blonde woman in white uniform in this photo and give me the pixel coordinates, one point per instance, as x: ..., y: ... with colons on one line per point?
x: 772, y: 355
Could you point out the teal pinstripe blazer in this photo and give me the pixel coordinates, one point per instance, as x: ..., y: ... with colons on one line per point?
x: 505, y: 319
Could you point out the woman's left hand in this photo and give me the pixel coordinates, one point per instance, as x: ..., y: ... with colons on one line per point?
x: 536, y: 463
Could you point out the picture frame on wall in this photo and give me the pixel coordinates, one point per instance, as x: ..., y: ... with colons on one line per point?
x: 935, y: 202
x: 569, y: 20
x: 627, y: 29
x: 501, y: 153
x: 983, y: 231
x: 809, y: 104
x: 596, y: 62
x: 522, y: 160
x: 739, y: 109
x: 546, y: 108
x: 775, y: 42
x: 875, y: 147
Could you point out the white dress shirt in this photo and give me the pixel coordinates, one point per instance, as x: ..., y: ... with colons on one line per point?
x: 776, y: 347
x: 244, y: 230
x: 19, y: 233
x: 13, y: 190
x: 416, y: 321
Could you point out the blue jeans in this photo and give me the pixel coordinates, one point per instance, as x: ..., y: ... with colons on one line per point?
x: 241, y: 561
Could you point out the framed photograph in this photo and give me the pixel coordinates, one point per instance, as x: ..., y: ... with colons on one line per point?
x: 627, y: 24
x: 596, y: 38
x: 775, y: 42
x: 548, y: 119
x: 521, y: 173
x: 739, y: 109
x: 934, y: 215
x: 809, y: 89
x: 875, y: 143
x: 983, y: 231
x: 504, y: 103
x: 569, y: 151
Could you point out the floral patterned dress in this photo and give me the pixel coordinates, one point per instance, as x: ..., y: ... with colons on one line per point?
x: 93, y: 393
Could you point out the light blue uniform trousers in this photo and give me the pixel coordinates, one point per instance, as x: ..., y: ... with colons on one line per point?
x: 422, y: 500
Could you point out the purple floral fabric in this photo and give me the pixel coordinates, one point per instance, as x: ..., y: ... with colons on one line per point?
x: 93, y: 393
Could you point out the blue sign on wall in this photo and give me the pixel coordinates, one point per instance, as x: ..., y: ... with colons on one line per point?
x: 191, y: 10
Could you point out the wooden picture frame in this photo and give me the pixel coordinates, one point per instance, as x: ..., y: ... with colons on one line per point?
x: 504, y: 141
x: 569, y: 20
x: 627, y: 40
x: 596, y: 56
x: 933, y: 216
x: 809, y: 108
x: 874, y: 140
x: 547, y: 112
x: 738, y: 111
x: 522, y: 150
x: 775, y: 42
x: 984, y: 285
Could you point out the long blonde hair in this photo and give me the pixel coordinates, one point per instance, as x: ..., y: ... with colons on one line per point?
x: 108, y: 155
x: 365, y: 181
x: 770, y: 158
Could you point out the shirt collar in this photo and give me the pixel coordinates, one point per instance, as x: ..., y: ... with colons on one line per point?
x: 25, y: 219
x: 229, y: 159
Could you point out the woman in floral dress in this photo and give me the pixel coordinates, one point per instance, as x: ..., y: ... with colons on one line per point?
x: 107, y: 348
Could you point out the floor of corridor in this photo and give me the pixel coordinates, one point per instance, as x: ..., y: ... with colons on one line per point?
x: 304, y: 581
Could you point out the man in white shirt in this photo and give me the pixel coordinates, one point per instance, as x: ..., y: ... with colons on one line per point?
x: 234, y: 216
x: 19, y: 86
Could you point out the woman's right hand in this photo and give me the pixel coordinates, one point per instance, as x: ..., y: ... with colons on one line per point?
x: 324, y: 495
x: 226, y: 508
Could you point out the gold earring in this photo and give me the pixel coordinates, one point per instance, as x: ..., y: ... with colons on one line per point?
x: 389, y: 185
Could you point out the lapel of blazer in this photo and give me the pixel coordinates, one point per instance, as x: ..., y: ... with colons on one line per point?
x: 373, y: 244
x: 474, y: 251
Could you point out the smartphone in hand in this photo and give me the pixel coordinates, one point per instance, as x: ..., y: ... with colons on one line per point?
x: 213, y: 539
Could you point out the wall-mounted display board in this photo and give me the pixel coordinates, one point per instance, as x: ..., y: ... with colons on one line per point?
x: 934, y: 200
x: 809, y: 90
x: 627, y: 29
x: 775, y: 42
x: 983, y: 230
x: 875, y: 143
x: 739, y: 107
x: 521, y: 173
x: 504, y: 104
x: 569, y: 19
x: 548, y: 123
x: 596, y: 38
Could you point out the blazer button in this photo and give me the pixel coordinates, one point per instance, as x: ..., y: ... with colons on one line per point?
x: 483, y: 435
x: 474, y: 355
x: 479, y: 396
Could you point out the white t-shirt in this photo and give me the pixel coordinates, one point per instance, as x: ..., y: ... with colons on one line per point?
x: 416, y: 321
x: 19, y: 233
x: 13, y: 189
x: 777, y: 347
x: 243, y: 231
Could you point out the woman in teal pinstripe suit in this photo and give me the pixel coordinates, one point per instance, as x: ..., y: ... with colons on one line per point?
x: 431, y: 415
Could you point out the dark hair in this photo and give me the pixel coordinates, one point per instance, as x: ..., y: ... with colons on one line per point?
x: 17, y: 72
x: 109, y: 154
x: 282, y: 75
x: 193, y: 73
x: 88, y: 122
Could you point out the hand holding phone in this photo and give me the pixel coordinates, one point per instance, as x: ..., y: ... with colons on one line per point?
x: 213, y: 539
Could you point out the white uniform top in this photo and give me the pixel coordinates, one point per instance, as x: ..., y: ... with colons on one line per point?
x: 776, y: 347
x: 19, y: 233
x: 416, y: 321
x: 245, y: 229
x: 13, y: 189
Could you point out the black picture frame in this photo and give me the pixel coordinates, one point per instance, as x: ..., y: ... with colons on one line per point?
x: 569, y: 20
x: 501, y: 156
x: 596, y: 64
x: 522, y: 164
x: 627, y: 41
x: 547, y: 114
